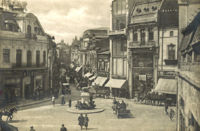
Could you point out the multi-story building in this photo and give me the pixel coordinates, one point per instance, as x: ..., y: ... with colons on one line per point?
x: 74, y: 51
x: 118, y: 48
x: 103, y: 61
x: 188, y: 106
x: 152, y: 44
x: 143, y: 47
x: 93, y: 41
x: 168, y: 46
x: 64, y: 54
x: 23, y: 54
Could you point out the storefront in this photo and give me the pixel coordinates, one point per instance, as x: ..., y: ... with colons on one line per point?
x: 142, y: 72
x: 118, y: 87
x: 12, y: 89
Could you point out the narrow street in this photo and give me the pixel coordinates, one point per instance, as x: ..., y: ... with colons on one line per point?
x: 49, y: 118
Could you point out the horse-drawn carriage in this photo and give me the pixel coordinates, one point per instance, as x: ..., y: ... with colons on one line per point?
x: 120, y: 109
x: 8, y: 111
x: 86, y: 102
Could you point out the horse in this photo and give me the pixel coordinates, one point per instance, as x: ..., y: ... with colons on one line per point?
x: 8, y: 113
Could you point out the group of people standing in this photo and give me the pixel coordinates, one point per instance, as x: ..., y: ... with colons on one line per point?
x: 83, y: 121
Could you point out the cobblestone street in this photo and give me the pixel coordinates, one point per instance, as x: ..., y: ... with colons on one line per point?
x: 49, y: 118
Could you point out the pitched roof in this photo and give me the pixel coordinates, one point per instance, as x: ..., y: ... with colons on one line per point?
x: 191, y: 33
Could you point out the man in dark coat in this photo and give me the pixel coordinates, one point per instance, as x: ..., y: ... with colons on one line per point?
x: 81, y: 120
x: 86, y: 120
x: 63, y: 128
x: 70, y: 103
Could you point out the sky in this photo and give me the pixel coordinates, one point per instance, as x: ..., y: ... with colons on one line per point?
x: 66, y: 19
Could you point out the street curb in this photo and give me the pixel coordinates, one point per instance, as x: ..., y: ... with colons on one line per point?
x: 33, y: 103
x: 76, y: 111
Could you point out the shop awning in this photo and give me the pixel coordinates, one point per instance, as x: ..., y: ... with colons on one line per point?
x: 85, y: 94
x: 92, y: 78
x: 116, y: 83
x: 88, y: 75
x: 65, y: 84
x: 167, y: 86
x: 78, y: 68
x: 100, y: 81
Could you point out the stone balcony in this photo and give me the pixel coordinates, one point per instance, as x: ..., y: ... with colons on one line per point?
x: 21, y: 35
x: 138, y: 44
x: 117, y: 32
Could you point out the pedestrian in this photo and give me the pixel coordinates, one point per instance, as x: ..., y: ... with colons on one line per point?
x: 53, y: 100
x: 32, y: 129
x: 166, y: 107
x: 70, y: 103
x: 81, y: 121
x: 63, y: 128
x: 86, y: 120
x: 62, y: 99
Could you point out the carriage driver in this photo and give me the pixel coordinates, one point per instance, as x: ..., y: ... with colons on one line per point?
x: 123, y: 105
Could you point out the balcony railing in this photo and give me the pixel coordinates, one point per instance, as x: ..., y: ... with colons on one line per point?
x: 171, y: 62
x: 117, y: 32
x: 192, y: 67
x: 17, y: 67
x: 138, y: 44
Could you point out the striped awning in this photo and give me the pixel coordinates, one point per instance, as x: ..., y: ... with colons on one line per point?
x: 100, y: 81
x: 78, y: 68
x: 115, y: 83
x: 167, y: 86
x: 88, y: 75
x: 92, y: 78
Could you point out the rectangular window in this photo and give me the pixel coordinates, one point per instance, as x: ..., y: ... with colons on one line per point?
x: 151, y: 34
x: 37, y: 58
x: 119, y: 5
x: 44, y: 57
x: 135, y: 36
x: 142, y: 36
x: 114, y: 66
x: 123, y: 6
x: 171, y: 33
x: 115, y: 7
x: 125, y: 68
x: 19, y: 58
x: 171, y: 52
x: 29, y: 58
x: 6, y: 55
x: 196, y: 57
x: 120, y: 67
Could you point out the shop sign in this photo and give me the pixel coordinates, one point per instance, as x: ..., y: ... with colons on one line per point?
x: 38, y: 77
x: 12, y: 81
x: 149, y: 76
x: 141, y: 64
x: 142, y: 77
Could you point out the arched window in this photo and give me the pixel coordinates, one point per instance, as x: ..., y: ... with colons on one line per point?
x: 29, y: 58
x: 28, y: 29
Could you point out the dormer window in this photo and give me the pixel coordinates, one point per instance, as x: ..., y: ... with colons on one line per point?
x: 154, y: 8
x: 138, y: 10
x: 146, y: 9
x: 11, y: 25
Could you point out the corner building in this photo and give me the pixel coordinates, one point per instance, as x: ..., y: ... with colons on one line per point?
x: 23, y: 55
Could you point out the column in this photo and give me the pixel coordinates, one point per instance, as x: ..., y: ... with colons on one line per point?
x: 130, y: 72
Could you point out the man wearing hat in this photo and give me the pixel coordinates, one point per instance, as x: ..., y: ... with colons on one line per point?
x: 63, y: 128
x: 32, y: 129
